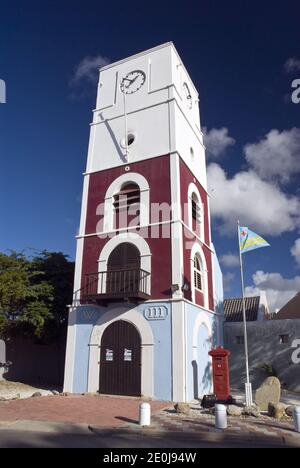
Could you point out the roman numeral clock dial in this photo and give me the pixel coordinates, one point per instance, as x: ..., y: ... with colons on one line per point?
x: 132, y: 82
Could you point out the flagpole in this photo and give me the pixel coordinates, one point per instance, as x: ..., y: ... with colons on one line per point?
x: 248, y: 385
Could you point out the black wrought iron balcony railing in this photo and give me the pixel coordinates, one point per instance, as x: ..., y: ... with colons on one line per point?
x: 120, y: 284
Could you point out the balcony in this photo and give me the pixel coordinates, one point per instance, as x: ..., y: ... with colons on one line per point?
x: 109, y: 286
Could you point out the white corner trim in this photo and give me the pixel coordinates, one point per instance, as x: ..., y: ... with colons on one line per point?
x: 176, y: 226
x: 70, y: 351
x: 147, y: 343
x: 178, y: 352
x: 78, y: 270
x: 80, y: 242
x: 85, y: 193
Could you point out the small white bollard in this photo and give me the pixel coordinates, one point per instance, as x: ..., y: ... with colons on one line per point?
x: 296, y: 414
x: 220, y: 417
x: 145, y: 414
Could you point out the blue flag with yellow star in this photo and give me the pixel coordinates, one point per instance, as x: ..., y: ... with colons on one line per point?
x: 250, y: 241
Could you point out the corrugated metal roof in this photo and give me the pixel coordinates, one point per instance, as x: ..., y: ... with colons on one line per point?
x: 233, y: 309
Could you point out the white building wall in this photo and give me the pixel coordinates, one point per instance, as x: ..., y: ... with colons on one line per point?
x: 150, y: 127
x: 156, y: 113
x: 188, y: 138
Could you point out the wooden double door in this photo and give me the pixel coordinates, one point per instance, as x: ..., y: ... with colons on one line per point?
x: 120, y: 360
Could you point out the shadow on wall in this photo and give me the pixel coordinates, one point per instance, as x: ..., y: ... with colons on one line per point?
x: 207, y: 379
x: 195, y: 379
x: 265, y: 347
x: 122, y: 155
x: 33, y: 363
x: 202, y: 367
x: 202, y: 386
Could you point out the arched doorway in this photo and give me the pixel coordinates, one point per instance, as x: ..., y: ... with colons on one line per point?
x: 123, y: 269
x: 120, y: 356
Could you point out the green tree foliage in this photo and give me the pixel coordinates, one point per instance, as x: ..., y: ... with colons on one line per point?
x: 34, y: 294
x: 268, y: 368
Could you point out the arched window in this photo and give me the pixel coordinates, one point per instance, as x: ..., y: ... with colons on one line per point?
x: 130, y: 190
x: 199, y: 276
x: 127, y: 197
x: 125, y: 256
x: 198, y: 273
x: 196, y: 211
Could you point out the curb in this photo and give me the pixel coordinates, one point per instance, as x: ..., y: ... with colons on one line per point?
x: 220, y: 437
x: 30, y: 425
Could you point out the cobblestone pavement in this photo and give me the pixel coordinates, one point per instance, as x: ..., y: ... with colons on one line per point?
x: 251, y: 428
x: 104, y: 411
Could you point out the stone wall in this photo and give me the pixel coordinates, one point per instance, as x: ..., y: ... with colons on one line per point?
x: 264, y: 347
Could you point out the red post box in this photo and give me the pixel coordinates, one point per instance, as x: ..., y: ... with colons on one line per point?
x: 220, y: 364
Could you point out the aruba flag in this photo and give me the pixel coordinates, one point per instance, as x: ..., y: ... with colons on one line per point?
x: 250, y: 241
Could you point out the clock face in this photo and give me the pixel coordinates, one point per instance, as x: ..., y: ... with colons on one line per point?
x: 187, y: 95
x: 132, y: 82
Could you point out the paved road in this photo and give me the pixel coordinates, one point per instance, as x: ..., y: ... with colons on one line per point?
x: 82, y: 437
x: 23, y: 439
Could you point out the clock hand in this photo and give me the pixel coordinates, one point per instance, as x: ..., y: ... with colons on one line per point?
x: 130, y: 81
x: 134, y: 79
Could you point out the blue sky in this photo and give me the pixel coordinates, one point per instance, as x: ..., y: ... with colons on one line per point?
x: 242, y: 58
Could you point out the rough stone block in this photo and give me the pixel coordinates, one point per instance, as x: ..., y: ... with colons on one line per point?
x: 269, y: 392
x: 276, y: 410
x: 182, y: 408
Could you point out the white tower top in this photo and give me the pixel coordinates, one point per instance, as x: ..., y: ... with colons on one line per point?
x: 150, y: 97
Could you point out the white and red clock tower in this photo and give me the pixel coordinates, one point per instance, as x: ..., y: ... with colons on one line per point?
x: 148, y: 288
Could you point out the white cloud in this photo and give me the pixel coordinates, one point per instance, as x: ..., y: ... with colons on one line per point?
x: 88, y: 69
x: 292, y: 64
x: 229, y: 260
x: 217, y: 141
x: 256, y: 203
x: 279, y: 290
x: 295, y: 251
x: 276, y: 156
x: 228, y: 279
